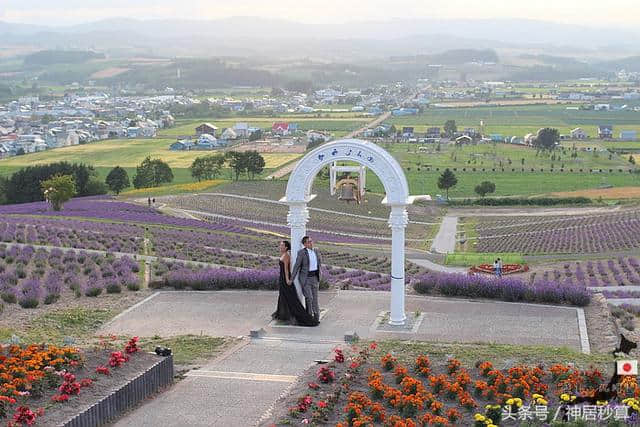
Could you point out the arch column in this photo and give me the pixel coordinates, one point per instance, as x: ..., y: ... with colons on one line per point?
x: 297, y: 219
x: 398, y: 220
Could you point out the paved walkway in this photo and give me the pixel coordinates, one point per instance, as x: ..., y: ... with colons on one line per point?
x: 262, y: 369
x: 430, y: 265
x: 445, y: 240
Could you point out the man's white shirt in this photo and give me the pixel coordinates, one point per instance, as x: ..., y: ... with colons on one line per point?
x: 313, y: 260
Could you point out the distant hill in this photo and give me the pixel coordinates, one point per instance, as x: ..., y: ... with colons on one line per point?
x: 51, y: 57
x: 631, y: 63
x: 265, y: 36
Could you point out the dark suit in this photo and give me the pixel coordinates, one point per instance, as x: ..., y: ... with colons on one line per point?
x: 309, y: 283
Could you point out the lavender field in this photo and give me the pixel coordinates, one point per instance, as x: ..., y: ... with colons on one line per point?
x: 106, y: 225
x: 621, y: 271
x: 617, y: 231
x: 30, y: 277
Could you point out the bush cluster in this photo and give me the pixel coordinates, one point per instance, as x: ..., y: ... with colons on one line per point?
x: 506, y: 289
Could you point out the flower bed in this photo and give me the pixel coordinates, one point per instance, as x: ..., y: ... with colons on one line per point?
x: 505, y: 289
x: 506, y: 268
x: 45, y: 385
x: 370, y: 388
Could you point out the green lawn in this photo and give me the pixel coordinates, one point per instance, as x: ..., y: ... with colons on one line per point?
x: 501, y: 155
x: 508, y: 183
x: 469, y: 259
x: 520, y: 120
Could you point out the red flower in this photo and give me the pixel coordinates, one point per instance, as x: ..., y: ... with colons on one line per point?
x: 373, y: 345
x: 326, y: 375
x: 103, y: 370
x: 339, y: 357
x: 60, y: 398
x: 314, y: 386
x: 24, y: 415
x: 132, y: 346
x: 86, y: 382
x: 322, y: 404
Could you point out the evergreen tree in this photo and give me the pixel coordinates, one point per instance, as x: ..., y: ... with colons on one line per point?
x: 447, y: 180
x: 117, y: 180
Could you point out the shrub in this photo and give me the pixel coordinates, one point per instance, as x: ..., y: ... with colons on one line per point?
x: 29, y: 294
x: 220, y: 278
x: 93, y: 289
x: 9, y: 296
x: 507, y: 289
x: 113, y: 287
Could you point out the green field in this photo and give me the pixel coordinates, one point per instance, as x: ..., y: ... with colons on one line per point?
x: 502, y: 155
x: 126, y: 153
x: 509, y: 183
x: 523, y: 119
x: 468, y: 259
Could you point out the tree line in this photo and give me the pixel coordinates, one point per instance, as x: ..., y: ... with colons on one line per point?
x: 25, y: 185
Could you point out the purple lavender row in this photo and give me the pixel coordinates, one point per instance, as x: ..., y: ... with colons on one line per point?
x: 506, y: 289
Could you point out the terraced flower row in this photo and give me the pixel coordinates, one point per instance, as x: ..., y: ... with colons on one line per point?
x: 531, y: 235
x: 72, y: 234
x: 622, y: 271
x: 30, y: 277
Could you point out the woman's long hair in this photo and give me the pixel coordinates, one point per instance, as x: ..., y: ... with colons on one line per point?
x: 287, y: 245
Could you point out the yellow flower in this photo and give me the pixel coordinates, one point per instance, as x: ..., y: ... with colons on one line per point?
x: 601, y: 403
x: 541, y: 401
x: 510, y: 402
x: 537, y: 396
x: 496, y: 407
x: 479, y: 417
x: 492, y: 425
x: 488, y: 421
x: 573, y: 398
x: 564, y: 397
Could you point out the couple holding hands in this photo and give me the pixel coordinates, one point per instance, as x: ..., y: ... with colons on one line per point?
x: 293, y: 294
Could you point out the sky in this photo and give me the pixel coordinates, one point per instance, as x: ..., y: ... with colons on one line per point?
x: 611, y: 13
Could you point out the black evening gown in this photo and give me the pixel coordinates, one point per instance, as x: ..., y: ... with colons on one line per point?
x: 289, y: 306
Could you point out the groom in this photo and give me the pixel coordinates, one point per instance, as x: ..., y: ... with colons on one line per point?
x: 307, y: 269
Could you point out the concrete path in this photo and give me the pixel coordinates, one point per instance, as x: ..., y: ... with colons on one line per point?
x: 260, y: 370
x: 237, y: 390
x: 430, y: 265
x: 235, y: 313
x: 445, y: 240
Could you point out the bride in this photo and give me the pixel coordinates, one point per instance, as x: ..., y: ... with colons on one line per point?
x: 289, y: 306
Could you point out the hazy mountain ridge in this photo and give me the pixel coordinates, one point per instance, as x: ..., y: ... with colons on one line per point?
x: 403, y: 36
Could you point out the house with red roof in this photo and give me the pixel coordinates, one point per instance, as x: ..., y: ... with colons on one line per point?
x: 280, y: 128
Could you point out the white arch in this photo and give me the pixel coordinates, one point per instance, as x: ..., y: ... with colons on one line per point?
x: 383, y: 164
x: 396, y: 187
